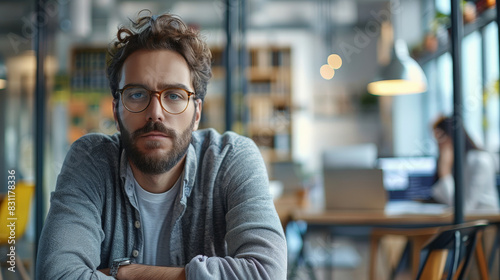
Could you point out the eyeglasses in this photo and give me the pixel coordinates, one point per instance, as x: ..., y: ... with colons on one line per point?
x: 137, y: 98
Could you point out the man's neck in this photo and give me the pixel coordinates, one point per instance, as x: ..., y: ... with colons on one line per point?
x: 158, y: 183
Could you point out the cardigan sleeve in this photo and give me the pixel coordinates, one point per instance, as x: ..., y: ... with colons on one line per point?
x: 72, y: 234
x: 256, y: 246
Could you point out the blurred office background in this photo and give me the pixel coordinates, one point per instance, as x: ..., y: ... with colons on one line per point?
x: 287, y: 92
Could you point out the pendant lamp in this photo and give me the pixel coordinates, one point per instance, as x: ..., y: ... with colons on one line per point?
x: 402, y: 75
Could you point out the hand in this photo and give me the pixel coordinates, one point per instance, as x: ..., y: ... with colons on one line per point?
x: 105, y: 271
x: 139, y: 272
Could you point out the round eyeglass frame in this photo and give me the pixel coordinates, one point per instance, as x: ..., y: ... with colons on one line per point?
x: 158, y: 95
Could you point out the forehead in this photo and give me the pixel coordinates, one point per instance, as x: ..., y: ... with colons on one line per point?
x: 154, y: 68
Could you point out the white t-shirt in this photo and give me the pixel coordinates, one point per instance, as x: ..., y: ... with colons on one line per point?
x: 156, y: 219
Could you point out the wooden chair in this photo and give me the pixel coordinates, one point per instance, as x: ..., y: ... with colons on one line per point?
x: 460, y: 242
x: 417, y: 238
x: 22, y: 197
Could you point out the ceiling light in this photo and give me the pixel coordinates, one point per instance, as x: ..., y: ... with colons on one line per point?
x: 402, y: 75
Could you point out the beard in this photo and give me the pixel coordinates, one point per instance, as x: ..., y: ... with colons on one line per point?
x: 157, y: 163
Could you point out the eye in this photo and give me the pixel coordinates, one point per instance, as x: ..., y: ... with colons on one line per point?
x: 136, y: 94
x: 175, y: 95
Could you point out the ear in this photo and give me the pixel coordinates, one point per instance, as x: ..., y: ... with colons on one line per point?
x: 197, y: 104
x: 115, y: 113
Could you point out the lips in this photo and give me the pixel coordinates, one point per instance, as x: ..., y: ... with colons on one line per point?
x: 154, y: 134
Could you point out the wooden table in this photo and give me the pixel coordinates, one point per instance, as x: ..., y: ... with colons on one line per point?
x: 375, y: 219
x: 380, y: 218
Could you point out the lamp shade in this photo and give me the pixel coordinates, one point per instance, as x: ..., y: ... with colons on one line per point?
x: 402, y: 75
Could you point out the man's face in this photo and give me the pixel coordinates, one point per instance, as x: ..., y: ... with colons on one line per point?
x: 155, y: 140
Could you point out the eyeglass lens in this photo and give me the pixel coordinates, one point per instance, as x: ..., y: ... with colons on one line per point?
x: 137, y: 99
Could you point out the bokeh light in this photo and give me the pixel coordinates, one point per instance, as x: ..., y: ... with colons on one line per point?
x: 327, y: 72
x: 335, y: 61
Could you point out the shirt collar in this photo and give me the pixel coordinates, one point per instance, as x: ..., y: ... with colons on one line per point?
x: 128, y: 179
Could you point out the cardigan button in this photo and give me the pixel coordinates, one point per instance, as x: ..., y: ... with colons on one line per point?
x: 137, y: 224
x: 135, y: 253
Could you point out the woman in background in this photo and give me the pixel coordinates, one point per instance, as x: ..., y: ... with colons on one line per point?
x: 480, y: 190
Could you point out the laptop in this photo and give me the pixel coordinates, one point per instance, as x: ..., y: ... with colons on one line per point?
x: 408, y: 178
x: 289, y: 173
x: 354, y: 189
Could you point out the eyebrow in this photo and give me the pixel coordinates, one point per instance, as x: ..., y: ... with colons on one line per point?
x: 162, y: 86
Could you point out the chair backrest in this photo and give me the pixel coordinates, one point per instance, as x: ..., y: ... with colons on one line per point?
x: 14, y: 212
x: 460, y: 241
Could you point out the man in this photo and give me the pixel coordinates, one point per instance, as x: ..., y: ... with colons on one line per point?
x: 161, y: 200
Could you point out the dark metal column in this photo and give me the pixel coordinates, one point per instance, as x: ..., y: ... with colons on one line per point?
x: 39, y: 121
x: 498, y: 38
x: 243, y: 63
x: 458, y: 133
x: 498, y: 30
x: 230, y: 62
x: 3, y: 126
x: 484, y: 80
x: 3, y: 148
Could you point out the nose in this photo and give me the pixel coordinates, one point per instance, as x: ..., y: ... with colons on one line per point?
x: 154, y: 112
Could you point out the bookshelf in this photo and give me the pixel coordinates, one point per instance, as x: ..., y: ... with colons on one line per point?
x: 268, y: 100
x: 89, y: 99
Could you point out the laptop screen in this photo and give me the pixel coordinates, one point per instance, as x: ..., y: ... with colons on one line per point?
x: 408, y: 178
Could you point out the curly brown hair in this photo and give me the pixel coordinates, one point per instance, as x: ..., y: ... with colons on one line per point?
x: 163, y: 32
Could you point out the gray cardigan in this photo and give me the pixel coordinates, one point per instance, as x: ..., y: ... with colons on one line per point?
x: 225, y: 225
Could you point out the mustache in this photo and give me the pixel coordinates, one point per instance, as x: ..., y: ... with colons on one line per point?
x: 154, y: 126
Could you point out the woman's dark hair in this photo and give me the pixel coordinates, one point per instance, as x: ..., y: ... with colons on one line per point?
x: 163, y: 32
x: 446, y: 125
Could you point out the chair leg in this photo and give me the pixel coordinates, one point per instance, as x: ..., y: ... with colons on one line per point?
x: 390, y: 263
x: 374, y: 242
x: 459, y: 270
x: 483, y: 271
x: 494, y: 249
x: 481, y: 258
x: 434, y: 266
x: 416, y: 246
x: 405, y: 254
x: 495, y: 252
